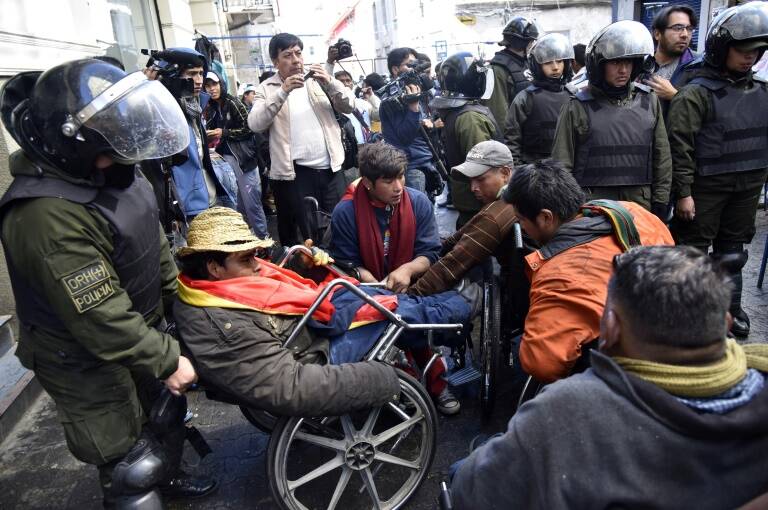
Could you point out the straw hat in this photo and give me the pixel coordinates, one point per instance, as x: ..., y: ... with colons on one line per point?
x: 220, y: 229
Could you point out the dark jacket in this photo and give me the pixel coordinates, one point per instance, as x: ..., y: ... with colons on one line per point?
x: 606, y: 439
x: 236, y: 138
x: 242, y: 353
x: 400, y: 127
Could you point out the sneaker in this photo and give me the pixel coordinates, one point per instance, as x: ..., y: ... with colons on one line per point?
x: 447, y: 403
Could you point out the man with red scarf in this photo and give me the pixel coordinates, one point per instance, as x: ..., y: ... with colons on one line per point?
x: 389, y: 233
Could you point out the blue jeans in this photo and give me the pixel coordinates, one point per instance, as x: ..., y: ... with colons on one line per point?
x: 415, y: 178
x: 249, y: 197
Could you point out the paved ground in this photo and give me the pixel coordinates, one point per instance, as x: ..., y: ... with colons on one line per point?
x: 36, y: 470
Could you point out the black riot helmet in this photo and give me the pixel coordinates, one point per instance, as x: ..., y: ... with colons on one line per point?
x: 623, y: 40
x: 70, y: 114
x: 171, y: 63
x: 519, y: 32
x: 740, y: 25
x: 548, y: 48
x: 462, y: 79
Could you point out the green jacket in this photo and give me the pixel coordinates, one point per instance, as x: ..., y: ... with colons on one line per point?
x: 687, y: 113
x: 573, y: 124
x: 48, y: 239
x: 471, y: 129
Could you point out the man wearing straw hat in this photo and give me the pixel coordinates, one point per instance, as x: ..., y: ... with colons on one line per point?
x: 235, y: 311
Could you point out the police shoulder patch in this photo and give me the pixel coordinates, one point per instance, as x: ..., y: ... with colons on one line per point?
x: 89, y: 286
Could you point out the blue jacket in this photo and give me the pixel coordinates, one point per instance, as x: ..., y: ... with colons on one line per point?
x: 400, y: 128
x: 344, y: 243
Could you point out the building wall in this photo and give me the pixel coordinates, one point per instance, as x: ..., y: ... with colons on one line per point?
x: 39, y: 34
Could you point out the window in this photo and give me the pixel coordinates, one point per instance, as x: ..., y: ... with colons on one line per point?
x: 134, y: 26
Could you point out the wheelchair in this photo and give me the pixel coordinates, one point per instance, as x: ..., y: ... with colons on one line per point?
x: 375, y: 458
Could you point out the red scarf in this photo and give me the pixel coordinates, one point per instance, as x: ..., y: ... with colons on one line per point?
x: 274, y: 290
x: 402, y: 231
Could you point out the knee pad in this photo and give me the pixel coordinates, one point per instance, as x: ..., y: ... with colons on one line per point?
x: 151, y: 500
x: 141, y: 469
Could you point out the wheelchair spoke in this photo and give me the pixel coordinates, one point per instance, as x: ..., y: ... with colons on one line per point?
x: 317, y: 472
x: 370, y: 422
x: 391, y: 459
x: 388, y: 434
x: 370, y: 485
x: 346, y: 474
x: 349, y: 428
x: 331, y: 444
x: 402, y: 414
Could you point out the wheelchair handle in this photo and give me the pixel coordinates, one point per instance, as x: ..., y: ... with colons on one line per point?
x: 518, y: 233
x: 300, y: 248
x: 444, y: 499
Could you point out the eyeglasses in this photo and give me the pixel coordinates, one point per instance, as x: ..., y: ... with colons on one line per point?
x: 679, y: 28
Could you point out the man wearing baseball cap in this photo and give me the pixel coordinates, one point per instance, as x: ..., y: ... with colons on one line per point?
x: 489, y: 167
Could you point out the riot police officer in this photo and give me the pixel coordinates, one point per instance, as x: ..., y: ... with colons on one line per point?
x: 90, y: 268
x: 464, y: 82
x: 510, y: 67
x: 718, y: 128
x: 612, y: 134
x: 532, y: 116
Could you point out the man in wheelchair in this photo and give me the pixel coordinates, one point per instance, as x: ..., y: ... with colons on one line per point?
x: 670, y: 413
x: 235, y: 311
x: 389, y: 233
x: 569, y: 272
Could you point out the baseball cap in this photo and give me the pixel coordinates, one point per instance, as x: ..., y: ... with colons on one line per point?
x: 212, y: 76
x: 484, y: 156
x: 249, y: 88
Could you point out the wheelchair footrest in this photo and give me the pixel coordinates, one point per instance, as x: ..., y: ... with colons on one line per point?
x: 463, y: 376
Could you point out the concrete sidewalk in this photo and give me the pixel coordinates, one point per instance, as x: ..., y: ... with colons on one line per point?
x: 38, y: 472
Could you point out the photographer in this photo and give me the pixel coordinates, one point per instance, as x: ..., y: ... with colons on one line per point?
x: 305, y: 145
x: 402, y: 117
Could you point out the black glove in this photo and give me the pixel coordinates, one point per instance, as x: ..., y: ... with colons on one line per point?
x: 661, y: 211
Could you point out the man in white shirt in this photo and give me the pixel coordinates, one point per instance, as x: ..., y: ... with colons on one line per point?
x: 304, y: 137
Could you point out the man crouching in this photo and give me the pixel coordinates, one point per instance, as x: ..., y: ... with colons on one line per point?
x: 235, y: 326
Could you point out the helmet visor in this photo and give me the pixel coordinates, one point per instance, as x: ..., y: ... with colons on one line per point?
x: 623, y: 39
x: 144, y: 123
x: 552, y: 47
x: 747, y: 21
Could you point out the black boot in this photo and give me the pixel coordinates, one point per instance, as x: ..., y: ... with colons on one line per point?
x: 732, y: 259
x: 186, y: 486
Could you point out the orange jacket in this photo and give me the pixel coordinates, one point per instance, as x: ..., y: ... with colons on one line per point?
x: 568, y: 293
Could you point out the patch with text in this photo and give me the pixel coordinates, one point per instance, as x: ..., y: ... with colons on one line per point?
x: 89, y: 286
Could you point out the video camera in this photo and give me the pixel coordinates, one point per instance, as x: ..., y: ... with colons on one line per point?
x: 344, y: 48
x: 395, y: 89
x: 170, y: 64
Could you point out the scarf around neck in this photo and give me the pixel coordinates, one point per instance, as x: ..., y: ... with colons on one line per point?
x: 701, y: 381
x: 402, y: 232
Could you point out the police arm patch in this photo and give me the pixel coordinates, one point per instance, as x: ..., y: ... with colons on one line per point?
x: 88, y: 287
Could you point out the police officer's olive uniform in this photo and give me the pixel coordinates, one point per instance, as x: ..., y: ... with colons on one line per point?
x: 617, y: 149
x: 531, y: 122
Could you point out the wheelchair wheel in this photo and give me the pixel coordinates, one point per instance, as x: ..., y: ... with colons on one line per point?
x: 370, y: 459
x: 490, y: 346
x: 262, y: 420
x: 531, y: 389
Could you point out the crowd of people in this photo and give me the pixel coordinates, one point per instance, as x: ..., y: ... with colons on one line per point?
x: 142, y: 200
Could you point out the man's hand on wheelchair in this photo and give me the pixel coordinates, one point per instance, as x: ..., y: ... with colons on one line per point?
x: 184, y: 376
x: 319, y: 257
x: 398, y: 280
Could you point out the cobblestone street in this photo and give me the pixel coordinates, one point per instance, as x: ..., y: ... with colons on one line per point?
x: 37, y: 471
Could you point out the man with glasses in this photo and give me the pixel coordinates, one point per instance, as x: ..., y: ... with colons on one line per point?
x: 673, y: 29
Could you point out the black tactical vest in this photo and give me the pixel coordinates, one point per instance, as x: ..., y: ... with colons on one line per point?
x: 618, y: 148
x: 538, y: 131
x: 453, y: 156
x: 134, y: 226
x: 734, y: 137
x: 517, y: 79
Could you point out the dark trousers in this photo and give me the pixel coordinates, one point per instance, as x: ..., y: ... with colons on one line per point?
x: 725, y: 210
x: 324, y: 185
